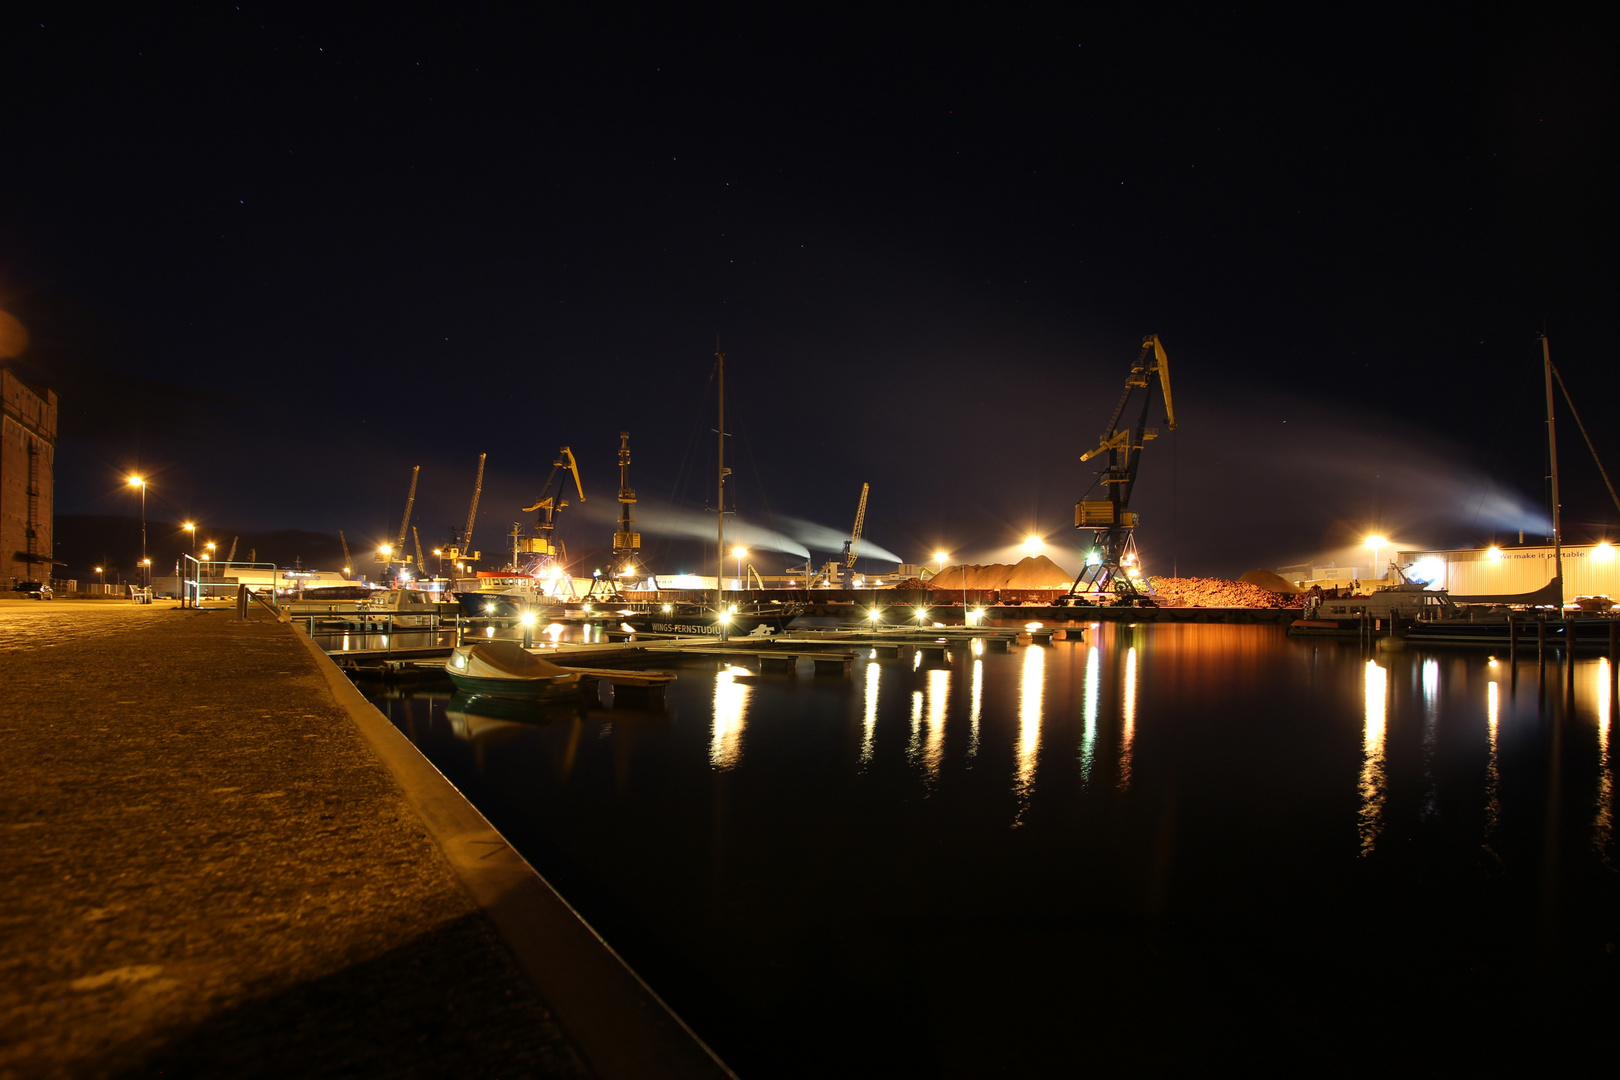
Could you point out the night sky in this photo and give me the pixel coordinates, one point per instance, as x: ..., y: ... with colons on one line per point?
x: 274, y: 256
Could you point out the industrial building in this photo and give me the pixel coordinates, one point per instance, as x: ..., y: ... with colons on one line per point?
x: 1589, y: 570
x: 27, y: 462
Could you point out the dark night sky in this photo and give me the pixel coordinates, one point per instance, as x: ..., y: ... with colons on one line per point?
x: 277, y: 256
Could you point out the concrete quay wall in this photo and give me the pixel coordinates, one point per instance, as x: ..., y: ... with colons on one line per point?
x: 220, y: 860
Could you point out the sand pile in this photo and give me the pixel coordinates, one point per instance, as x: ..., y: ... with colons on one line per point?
x: 1271, y: 582
x: 1216, y: 592
x: 1034, y: 572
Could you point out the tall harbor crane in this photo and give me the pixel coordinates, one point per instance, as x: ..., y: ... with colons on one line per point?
x: 1112, y: 564
x: 543, y: 542
x: 416, y: 536
x: 348, y: 563
x: 410, y: 502
x: 626, y: 541
x: 852, y: 546
x: 460, y: 551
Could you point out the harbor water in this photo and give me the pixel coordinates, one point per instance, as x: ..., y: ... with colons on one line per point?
x: 1163, y: 847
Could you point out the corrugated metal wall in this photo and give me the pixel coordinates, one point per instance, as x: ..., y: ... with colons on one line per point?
x: 1589, y: 570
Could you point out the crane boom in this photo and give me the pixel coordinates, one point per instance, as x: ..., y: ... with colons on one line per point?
x: 472, y: 511
x: 410, y: 502
x: 852, y: 546
x: 348, y: 563
x: 418, y: 538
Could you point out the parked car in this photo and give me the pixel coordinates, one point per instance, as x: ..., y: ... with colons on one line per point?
x: 36, y: 590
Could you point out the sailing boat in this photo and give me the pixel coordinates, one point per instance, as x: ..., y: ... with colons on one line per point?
x: 738, y: 618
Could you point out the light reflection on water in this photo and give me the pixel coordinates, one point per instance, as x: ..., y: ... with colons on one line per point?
x: 1031, y: 692
x: 802, y: 841
x: 1375, y: 702
x: 1093, y: 690
x: 730, y: 717
x: 1127, y: 731
x: 1603, y: 700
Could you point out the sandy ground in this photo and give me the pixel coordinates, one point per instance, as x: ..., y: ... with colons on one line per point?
x: 207, y: 872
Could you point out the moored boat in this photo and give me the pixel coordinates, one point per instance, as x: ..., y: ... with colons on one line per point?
x: 506, y: 669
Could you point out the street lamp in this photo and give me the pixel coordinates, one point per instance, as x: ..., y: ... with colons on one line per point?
x: 1376, y: 542
x: 140, y: 482
x: 739, y: 552
x: 101, y: 578
x: 940, y: 557
x: 191, y: 527
x: 1033, y: 544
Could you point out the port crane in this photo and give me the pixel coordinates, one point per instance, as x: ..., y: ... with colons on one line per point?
x: 460, y: 550
x: 389, y: 555
x: 348, y: 563
x: 626, y: 541
x: 838, y: 570
x: 1112, y: 565
x: 852, y: 546
x: 551, y: 554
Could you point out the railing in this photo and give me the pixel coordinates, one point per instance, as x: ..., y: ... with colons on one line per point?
x: 194, y: 586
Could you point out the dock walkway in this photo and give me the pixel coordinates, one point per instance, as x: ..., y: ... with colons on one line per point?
x: 215, y: 867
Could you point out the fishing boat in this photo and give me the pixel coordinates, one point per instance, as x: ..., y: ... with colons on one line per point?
x: 506, y: 669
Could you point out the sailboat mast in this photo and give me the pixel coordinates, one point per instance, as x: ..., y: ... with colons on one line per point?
x: 1552, y: 457
x: 720, y: 495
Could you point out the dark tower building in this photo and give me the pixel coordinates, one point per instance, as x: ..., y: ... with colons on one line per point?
x: 27, y: 460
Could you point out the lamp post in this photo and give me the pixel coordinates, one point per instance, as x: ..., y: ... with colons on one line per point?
x: 1033, y: 544
x: 208, y: 553
x: 739, y: 552
x: 191, y: 527
x: 1376, y: 543
x: 140, y: 482
x: 939, y: 557
x: 101, y: 578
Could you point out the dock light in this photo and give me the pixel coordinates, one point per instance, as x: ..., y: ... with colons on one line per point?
x: 940, y: 557
x: 386, y: 550
x: 1094, y: 559
x: 922, y: 613
x: 874, y: 614
x: 1375, y: 542
x: 1494, y: 553
x: 668, y: 608
x: 1032, y: 626
x: 528, y: 618
x: 1033, y: 544
x: 732, y: 610
x: 1604, y: 552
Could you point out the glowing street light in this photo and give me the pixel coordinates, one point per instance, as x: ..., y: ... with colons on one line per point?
x: 1376, y: 542
x: 1033, y: 544
x: 140, y: 482
x: 940, y: 557
x: 191, y: 527
x: 739, y: 552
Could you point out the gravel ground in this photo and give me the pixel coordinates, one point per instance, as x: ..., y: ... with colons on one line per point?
x: 207, y: 872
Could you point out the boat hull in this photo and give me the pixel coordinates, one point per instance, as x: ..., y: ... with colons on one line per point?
x: 556, y: 688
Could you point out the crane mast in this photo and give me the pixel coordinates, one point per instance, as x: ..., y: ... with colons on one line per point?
x: 852, y: 546
x: 410, y: 502
x: 460, y: 550
x: 348, y: 563
x: 543, y: 543
x: 1112, y: 565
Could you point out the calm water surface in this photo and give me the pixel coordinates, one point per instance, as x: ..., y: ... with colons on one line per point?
x: 1163, y: 848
